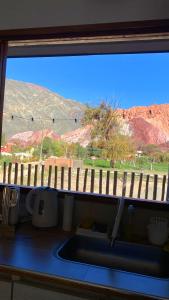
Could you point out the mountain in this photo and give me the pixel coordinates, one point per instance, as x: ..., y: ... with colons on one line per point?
x: 59, y: 118
x: 148, y: 124
x: 32, y: 138
x: 80, y: 135
x: 24, y: 101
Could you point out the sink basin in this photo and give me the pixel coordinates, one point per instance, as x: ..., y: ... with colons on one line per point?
x: 131, y: 257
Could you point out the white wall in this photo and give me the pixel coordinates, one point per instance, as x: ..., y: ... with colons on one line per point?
x: 15, y: 14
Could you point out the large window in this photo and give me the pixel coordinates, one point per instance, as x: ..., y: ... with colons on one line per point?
x: 96, y: 123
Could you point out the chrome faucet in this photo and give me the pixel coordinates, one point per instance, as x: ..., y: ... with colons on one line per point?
x: 121, y: 204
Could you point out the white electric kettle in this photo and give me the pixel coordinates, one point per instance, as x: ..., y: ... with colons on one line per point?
x: 42, y: 204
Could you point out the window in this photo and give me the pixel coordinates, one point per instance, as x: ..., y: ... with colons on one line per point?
x: 143, y: 167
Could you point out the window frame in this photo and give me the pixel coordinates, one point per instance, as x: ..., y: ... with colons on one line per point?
x: 126, y: 37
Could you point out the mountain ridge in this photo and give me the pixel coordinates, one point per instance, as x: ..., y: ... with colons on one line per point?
x: 32, y: 108
x: 24, y: 101
x: 149, y: 124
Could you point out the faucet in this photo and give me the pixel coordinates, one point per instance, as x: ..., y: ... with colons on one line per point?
x: 121, y: 204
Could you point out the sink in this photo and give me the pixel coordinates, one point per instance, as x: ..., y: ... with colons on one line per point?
x: 130, y: 257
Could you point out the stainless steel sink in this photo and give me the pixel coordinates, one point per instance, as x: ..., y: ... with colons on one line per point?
x: 131, y: 257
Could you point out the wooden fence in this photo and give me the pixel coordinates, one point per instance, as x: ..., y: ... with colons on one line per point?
x: 129, y: 184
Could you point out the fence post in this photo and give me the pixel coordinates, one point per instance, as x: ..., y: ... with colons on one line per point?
x: 124, y: 184
x: 107, y: 182
x: 155, y: 187
x: 9, y: 172
x: 77, y: 179
x: 69, y: 178
x: 92, y: 181
x: 4, y: 172
x: 167, y: 195
x: 85, y: 180
x: 56, y: 177
x: 36, y: 175
x: 22, y: 174
x: 29, y: 174
x: 163, y: 188
x: 132, y: 184
x: 42, y: 174
x: 115, y: 183
x: 100, y: 181
x: 147, y: 184
x: 49, y: 175
x: 62, y: 178
x: 140, y: 185
x: 16, y: 174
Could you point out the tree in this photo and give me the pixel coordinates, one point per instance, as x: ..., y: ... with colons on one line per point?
x: 107, y: 133
x: 51, y: 147
x: 19, y: 148
x: 93, y: 151
x: 59, y: 148
x: 120, y: 147
x: 75, y: 150
x: 48, y: 146
x: 104, y: 119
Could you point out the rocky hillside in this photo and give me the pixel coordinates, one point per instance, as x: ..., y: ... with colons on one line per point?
x: 30, y: 108
x: 32, y: 138
x: 149, y: 124
x: 24, y: 101
x: 80, y: 135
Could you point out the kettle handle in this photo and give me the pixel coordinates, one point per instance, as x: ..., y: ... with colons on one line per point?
x: 28, y: 200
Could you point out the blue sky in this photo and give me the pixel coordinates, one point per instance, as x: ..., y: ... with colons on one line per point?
x: 129, y: 80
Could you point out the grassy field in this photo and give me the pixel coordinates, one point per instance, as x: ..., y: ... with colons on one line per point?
x: 139, y: 165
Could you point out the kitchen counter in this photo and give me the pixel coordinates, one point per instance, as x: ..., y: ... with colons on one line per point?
x: 30, y: 255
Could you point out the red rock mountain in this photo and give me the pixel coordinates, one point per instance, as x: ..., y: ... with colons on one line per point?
x: 80, y: 135
x: 149, y: 124
x: 32, y: 138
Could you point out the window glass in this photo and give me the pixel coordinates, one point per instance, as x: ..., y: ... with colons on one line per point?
x: 97, y: 123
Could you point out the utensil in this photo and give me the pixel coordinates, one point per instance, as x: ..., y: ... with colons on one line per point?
x: 10, y: 205
x: 14, y: 205
x: 5, y: 205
